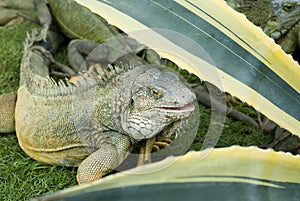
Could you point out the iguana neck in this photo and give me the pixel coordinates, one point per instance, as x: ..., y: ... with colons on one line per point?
x: 115, y: 99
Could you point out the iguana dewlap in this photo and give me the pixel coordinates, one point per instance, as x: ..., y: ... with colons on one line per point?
x: 94, y: 120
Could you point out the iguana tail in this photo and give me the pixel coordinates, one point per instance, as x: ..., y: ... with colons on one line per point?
x: 7, y: 112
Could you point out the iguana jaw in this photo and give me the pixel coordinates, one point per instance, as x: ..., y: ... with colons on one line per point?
x: 183, y: 109
x: 146, y: 124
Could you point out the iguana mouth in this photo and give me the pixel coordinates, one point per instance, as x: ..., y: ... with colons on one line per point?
x: 187, y: 108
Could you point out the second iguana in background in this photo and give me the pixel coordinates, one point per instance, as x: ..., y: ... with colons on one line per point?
x: 279, y: 19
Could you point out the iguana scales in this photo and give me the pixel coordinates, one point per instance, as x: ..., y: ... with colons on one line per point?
x: 93, y: 119
x: 279, y: 19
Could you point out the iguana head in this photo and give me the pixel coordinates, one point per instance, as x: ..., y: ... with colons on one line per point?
x: 286, y: 14
x: 158, y: 99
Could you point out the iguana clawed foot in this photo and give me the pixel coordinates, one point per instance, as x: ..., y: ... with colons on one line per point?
x: 158, y: 145
x: 154, y: 144
x: 265, y: 124
x: 57, y: 68
x: 285, y: 141
x: 145, y: 152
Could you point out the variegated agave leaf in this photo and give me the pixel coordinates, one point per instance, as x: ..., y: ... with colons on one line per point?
x: 233, y: 173
x: 248, y: 63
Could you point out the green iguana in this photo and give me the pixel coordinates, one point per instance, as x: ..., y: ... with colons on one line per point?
x: 12, y: 12
x: 279, y: 19
x: 93, y: 119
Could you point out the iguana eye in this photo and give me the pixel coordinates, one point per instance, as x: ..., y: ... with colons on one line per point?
x: 288, y: 6
x: 274, y: 18
x: 156, y: 93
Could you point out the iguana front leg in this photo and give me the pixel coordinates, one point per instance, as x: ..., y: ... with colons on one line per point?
x: 145, y: 152
x: 44, y: 16
x: 98, y: 164
x: 105, y: 159
x: 78, y: 50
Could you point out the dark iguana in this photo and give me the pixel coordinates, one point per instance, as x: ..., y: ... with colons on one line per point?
x: 279, y: 19
x: 13, y: 11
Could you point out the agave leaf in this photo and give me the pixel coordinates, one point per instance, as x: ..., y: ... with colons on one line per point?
x: 234, y: 173
x: 241, y: 59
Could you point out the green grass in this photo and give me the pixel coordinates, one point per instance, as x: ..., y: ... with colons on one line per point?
x: 233, y: 133
x: 11, y: 47
x: 22, y: 178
